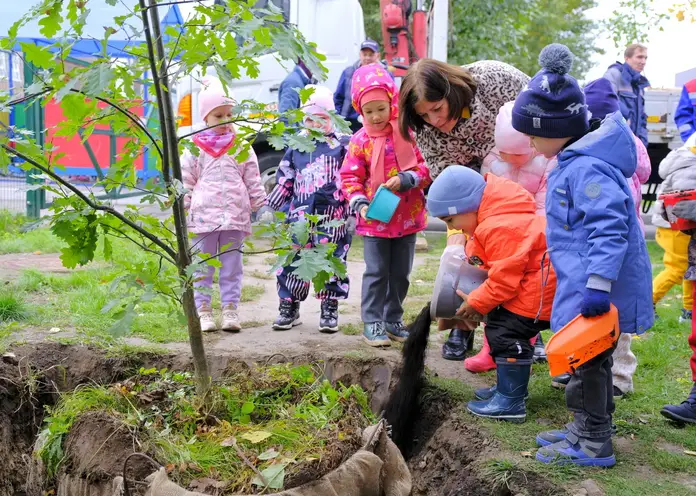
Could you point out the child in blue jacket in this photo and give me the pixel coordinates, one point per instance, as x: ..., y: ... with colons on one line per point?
x: 594, y: 240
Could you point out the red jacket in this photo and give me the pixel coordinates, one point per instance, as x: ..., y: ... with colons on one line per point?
x: 510, y: 242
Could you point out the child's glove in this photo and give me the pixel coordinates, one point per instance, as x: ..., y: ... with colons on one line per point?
x: 595, y: 302
x: 685, y: 210
x: 265, y: 215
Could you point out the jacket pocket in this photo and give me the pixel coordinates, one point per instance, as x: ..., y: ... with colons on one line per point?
x: 557, y: 205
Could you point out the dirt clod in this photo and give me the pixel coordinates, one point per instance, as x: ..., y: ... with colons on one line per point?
x: 592, y: 488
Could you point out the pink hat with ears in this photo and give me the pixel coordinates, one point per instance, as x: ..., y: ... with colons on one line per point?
x: 212, y: 96
x: 507, y: 139
x: 320, y: 102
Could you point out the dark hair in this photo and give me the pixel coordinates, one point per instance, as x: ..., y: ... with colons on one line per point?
x: 432, y: 80
x: 633, y: 48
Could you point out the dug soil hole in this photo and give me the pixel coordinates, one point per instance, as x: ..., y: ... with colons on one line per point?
x: 446, y: 457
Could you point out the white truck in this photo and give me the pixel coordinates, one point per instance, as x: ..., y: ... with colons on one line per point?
x: 663, y: 135
x: 336, y: 26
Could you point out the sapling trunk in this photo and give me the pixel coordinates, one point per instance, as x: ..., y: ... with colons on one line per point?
x: 171, y: 167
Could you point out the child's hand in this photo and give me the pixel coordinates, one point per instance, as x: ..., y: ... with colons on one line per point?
x: 393, y: 184
x: 363, y: 212
x: 466, y: 311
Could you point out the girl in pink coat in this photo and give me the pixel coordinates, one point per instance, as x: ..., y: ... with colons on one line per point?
x: 222, y: 193
x: 379, y: 155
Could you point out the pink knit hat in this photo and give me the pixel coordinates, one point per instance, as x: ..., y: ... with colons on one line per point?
x: 321, y: 101
x: 507, y: 139
x: 212, y: 96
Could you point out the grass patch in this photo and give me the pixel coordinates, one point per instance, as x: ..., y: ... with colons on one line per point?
x: 351, y: 329
x: 252, y: 292
x: 282, y: 417
x: 257, y: 274
x: 250, y: 324
x: 18, y: 236
x: 76, y: 300
x: 12, y: 307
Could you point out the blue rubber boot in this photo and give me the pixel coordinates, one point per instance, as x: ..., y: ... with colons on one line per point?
x: 578, y: 451
x: 487, y: 393
x: 507, y: 402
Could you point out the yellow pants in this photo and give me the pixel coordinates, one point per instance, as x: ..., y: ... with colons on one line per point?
x: 676, y: 245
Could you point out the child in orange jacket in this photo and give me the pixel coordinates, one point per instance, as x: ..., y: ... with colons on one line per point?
x: 508, y: 239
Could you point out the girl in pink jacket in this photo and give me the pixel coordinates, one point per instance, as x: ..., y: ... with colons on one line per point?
x: 222, y: 193
x: 379, y: 155
x: 514, y: 158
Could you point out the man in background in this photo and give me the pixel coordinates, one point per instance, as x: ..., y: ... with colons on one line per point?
x: 629, y: 84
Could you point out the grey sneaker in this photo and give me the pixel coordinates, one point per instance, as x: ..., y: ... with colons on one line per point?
x: 579, y: 451
x: 396, y: 331
x: 375, y: 335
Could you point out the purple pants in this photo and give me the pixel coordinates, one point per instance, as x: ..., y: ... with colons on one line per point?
x: 231, y: 272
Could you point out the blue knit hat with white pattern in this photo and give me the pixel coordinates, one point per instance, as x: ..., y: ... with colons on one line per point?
x: 552, y: 105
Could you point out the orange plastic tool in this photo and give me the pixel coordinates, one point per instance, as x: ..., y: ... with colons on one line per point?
x: 580, y: 340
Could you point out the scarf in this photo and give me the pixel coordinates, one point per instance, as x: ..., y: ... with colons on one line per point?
x: 405, y: 156
x: 214, y: 144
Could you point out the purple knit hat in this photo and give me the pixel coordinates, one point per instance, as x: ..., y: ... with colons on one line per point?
x: 552, y: 105
x: 601, y: 98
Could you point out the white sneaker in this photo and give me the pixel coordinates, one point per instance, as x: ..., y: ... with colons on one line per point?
x: 205, y: 316
x: 230, y: 318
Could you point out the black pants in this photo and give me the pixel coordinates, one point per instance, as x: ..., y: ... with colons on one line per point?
x: 590, y: 396
x: 508, y: 334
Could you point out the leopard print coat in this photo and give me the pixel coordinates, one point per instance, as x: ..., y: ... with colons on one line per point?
x: 471, y: 139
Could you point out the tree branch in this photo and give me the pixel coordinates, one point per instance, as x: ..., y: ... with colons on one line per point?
x: 270, y: 250
x: 95, y: 206
x: 233, y: 121
x: 131, y: 116
x: 144, y: 247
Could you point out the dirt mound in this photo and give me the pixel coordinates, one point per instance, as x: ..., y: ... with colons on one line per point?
x: 447, y: 457
x: 98, y: 444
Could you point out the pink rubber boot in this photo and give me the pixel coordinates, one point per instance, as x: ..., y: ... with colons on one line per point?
x: 482, y: 361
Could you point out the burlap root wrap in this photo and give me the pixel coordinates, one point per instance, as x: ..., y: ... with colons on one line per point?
x: 377, y: 469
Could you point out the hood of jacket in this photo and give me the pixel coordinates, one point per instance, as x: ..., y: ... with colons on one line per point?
x: 504, y: 197
x: 613, y: 134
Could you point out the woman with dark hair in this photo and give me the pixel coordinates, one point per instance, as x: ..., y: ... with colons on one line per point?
x: 452, y: 111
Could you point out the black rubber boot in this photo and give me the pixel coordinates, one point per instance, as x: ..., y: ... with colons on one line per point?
x: 458, y: 344
x: 684, y: 413
x: 539, y: 351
